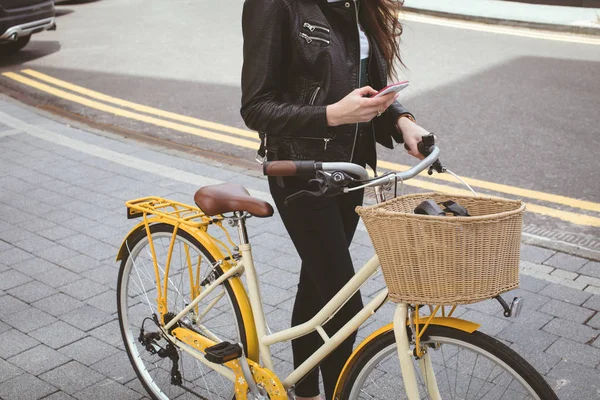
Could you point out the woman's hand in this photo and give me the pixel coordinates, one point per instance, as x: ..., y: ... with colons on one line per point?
x: 412, y: 135
x: 358, y: 107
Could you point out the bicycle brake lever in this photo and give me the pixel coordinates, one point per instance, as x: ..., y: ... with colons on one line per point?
x: 301, y: 193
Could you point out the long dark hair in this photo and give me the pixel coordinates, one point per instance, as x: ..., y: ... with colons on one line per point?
x: 381, y: 18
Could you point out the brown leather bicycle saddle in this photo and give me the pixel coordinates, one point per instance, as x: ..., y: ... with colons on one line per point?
x: 229, y: 197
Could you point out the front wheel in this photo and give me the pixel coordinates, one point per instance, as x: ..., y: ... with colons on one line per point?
x: 467, y: 366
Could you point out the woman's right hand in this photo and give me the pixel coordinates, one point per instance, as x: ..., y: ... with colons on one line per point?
x: 358, y: 107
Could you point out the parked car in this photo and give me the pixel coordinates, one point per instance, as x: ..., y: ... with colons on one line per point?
x: 19, y: 19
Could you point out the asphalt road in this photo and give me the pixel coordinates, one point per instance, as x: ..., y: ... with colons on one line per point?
x: 512, y: 110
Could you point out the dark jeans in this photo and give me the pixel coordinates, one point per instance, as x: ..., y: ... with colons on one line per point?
x: 321, y: 229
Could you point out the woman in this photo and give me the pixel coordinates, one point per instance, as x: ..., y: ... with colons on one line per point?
x: 309, y: 69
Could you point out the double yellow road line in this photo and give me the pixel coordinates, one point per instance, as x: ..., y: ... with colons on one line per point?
x: 248, y: 139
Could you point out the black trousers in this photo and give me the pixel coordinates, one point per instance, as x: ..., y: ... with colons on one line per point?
x: 321, y: 229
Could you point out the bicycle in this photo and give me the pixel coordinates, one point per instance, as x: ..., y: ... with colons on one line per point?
x: 191, y: 330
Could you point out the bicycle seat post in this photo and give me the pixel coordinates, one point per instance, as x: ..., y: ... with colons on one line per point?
x: 240, y: 222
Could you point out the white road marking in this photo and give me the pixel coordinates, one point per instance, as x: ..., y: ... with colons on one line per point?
x: 513, y: 31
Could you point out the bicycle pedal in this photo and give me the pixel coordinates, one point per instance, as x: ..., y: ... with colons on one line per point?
x: 223, y: 352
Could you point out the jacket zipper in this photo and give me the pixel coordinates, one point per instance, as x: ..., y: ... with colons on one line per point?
x: 314, y: 96
x: 309, y: 39
x: 359, y: 73
x: 313, y: 27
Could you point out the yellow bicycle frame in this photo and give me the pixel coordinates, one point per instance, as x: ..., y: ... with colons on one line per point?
x: 199, y: 232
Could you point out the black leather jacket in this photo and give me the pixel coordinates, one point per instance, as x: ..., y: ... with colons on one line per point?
x: 299, y: 56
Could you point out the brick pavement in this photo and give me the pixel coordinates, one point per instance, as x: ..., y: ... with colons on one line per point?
x: 62, y: 217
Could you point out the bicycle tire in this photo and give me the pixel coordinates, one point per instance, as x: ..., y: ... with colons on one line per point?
x: 382, y: 351
x: 155, y: 379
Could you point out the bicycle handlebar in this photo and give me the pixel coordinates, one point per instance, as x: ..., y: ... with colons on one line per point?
x: 294, y: 168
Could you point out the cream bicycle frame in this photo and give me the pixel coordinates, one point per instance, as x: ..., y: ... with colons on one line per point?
x: 246, y: 263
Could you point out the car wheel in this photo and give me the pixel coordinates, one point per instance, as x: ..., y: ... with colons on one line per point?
x: 14, y: 46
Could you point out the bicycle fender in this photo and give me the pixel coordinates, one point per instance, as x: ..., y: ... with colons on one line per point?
x: 457, y: 323
x: 236, y: 284
x: 198, y: 234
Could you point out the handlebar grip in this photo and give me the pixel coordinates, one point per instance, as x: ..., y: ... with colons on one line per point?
x: 290, y: 168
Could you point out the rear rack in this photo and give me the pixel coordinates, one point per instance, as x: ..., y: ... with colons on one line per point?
x: 169, y: 209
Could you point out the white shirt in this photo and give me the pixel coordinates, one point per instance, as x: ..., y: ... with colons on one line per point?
x: 364, y: 41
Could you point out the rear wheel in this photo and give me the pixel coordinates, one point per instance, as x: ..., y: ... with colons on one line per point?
x: 137, y: 297
x: 467, y: 366
x: 12, y: 47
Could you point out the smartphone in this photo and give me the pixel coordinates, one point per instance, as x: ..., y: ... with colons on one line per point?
x: 395, y: 88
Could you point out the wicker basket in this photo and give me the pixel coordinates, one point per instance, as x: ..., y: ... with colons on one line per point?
x: 446, y: 260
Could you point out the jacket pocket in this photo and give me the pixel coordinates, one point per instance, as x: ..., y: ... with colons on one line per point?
x: 315, y: 28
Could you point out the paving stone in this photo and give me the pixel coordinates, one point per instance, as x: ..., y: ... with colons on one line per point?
x: 588, y: 280
x: 34, y: 267
x: 567, y: 311
x: 105, y: 274
x: 32, y: 291
x: 10, y: 279
x: 490, y: 325
x: 564, y: 274
x: 576, y: 332
x: 109, y: 333
x: 86, y: 318
x: 523, y: 327
x: 592, y: 290
x: 591, y: 268
x: 56, y: 254
x: 541, y: 361
x: 575, y: 352
x: 4, y: 327
x: 566, y: 261
x: 10, y: 305
x: 101, y: 251
x: 106, y: 301
x: 576, y: 297
x: 83, y: 289
x: 13, y: 342
x: 58, y: 304
x: 80, y: 263
x: 280, y: 278
x: 34, y: 244
x: 57, y: 232
x: 535, y: 254
x: 13, y: 256
x: 29, y: 319
x: 88, y: 350
x: 61, y: 217
x: 59, y: 396
x: 77, y: 242
x: 72, y: 377
x: 58, y: 276
x: 531, y: 284
x: 576, y: 382
x: 25, y: 387
x: 57, y: 335
x: 8, y: 370
x: 16, y: 234
x: 116, y: 367
x: 273, y: 295
x: 594, y: 322
x: 107, y: 390
x: 39, y: 359
x: 5, y: 245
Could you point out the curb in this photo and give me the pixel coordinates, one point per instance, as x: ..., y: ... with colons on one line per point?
x: 575, y: 29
